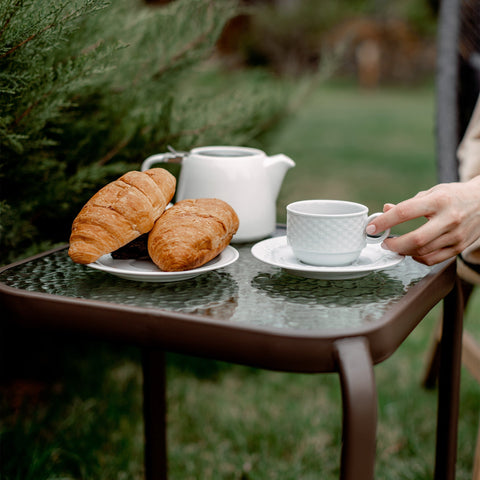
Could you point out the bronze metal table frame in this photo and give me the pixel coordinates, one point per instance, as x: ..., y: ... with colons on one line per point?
x: 352, y: 352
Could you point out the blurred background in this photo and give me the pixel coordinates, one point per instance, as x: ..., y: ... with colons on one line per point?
x: 90, y: 89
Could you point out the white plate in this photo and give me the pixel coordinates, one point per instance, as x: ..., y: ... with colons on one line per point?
x: 276, y: 252
x: 147, y: 271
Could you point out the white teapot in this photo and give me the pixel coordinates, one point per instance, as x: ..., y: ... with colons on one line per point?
x: 246, y: 178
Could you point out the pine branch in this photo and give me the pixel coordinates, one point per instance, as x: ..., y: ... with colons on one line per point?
x: 66, y: 18
x: 184, y: 52
x: 48, y: 94
x: 184, y: 133
x: 20, y: 117
x: 114, y: 151
x: 67, y: 95
x: 29, y: 39
x: 167, y: 139
x: 9, y: 19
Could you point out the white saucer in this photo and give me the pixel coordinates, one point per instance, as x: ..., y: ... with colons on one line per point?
x: 275, y: 251
x: 147, y: 271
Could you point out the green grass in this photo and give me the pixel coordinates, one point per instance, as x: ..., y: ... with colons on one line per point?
x: 370, y: 147
x: 84, y: 420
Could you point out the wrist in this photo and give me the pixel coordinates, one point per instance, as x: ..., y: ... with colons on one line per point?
x: 473, y: 186
x: 475, y: 181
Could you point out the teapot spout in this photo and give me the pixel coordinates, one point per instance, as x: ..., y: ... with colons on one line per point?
x: 276, y: 166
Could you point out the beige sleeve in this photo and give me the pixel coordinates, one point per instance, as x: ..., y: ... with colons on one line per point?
x: 469, y: 149
x: 469, y: 167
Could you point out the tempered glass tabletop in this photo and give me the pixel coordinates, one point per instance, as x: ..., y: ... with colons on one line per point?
x: 247, y: 292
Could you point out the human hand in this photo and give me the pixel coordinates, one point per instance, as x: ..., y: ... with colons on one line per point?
x: 452, y: 211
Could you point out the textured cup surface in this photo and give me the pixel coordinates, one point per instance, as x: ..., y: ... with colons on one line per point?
x: 328, y: 232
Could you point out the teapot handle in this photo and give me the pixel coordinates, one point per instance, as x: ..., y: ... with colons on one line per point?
x: 160, y: 158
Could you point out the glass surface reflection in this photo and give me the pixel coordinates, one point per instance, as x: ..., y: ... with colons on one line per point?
x: 247, y: 292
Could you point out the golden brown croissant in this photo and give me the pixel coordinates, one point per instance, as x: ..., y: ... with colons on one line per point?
x: 191, y: 233
x: 120, y: 212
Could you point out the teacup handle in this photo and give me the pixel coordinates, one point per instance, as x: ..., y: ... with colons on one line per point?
x: 375, y: 238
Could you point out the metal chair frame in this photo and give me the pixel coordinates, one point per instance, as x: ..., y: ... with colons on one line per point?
x: 458, y: 85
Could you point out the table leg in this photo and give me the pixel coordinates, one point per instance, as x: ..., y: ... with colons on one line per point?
x: 449, y: 385
x: 154, y: 414
x: 359, y: 396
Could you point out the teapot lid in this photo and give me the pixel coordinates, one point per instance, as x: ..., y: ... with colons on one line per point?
x: 226, y: 151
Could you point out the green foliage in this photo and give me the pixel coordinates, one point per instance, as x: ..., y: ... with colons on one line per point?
x: 89, y: 88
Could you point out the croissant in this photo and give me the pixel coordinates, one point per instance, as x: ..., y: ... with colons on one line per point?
x: 191, y: 233
x: 120, y: 212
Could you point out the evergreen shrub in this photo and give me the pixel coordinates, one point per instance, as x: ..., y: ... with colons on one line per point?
x: 89, y: 88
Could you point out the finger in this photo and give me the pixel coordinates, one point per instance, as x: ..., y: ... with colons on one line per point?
x: 437, y: 256
x: 403, y: 212
x: 444, y: 242
x: 427, y: 238
x: 422, y: 193
x: 371, y: 227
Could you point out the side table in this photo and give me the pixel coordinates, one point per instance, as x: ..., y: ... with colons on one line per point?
x: 258, y: 315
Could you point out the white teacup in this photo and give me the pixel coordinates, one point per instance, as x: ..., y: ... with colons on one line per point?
x: 329, y: 232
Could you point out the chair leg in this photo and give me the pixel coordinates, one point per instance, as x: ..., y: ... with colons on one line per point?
x: 433, y: 358
x: 471, y: 360
x: 433, y: 355
x: 449, y: 385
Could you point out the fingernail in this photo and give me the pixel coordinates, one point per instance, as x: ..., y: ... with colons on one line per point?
x: 384, y: 246
x: 370, y: 229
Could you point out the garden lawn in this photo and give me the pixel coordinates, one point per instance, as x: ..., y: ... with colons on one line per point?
x: 84, y: 420
x: 371, y: 147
